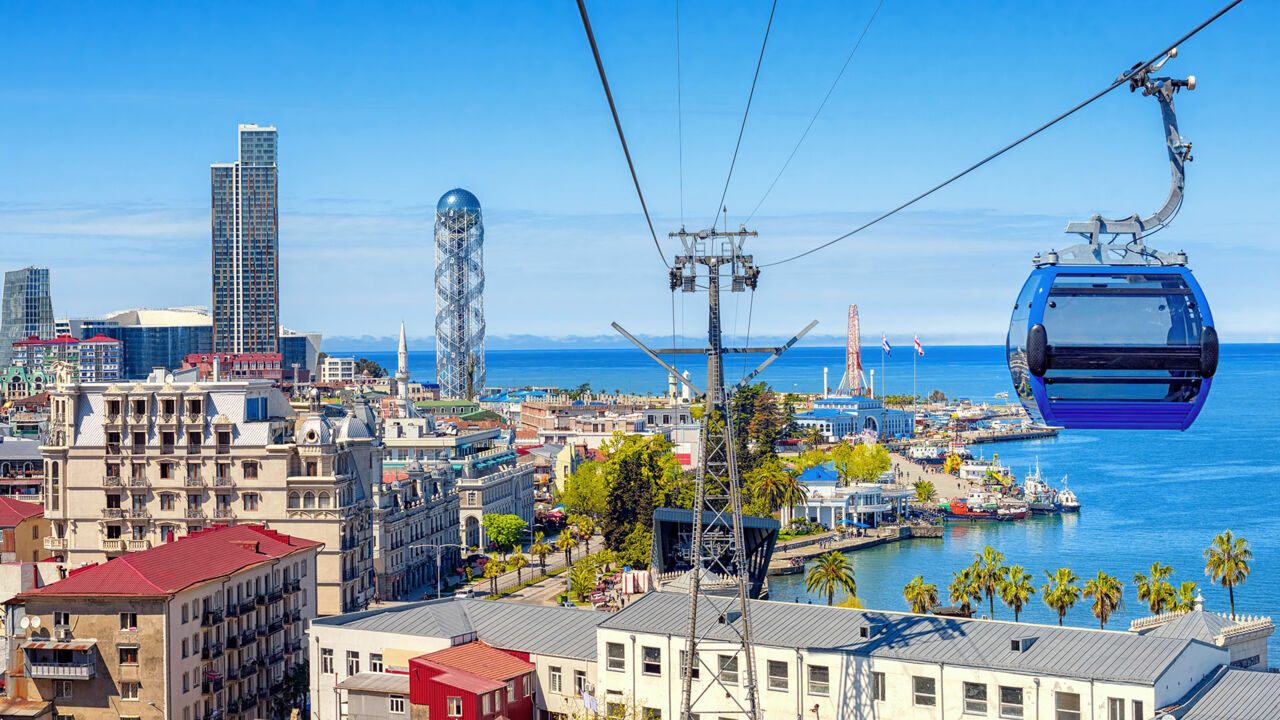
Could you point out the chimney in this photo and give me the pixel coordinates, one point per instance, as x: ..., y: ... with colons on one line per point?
x: 250, y: 545
x: 217, y: 368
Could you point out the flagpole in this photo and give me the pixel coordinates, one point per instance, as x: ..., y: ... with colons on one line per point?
x: 915, y: 356
x: 882, y: 366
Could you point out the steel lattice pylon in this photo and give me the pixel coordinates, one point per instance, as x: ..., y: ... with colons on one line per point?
x: 459, y: 233
x: 718, y: 586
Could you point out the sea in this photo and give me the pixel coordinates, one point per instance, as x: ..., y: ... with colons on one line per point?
x: 1146, y: 496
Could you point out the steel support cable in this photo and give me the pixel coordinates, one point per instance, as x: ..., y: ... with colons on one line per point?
x: 679, y: 115
x: 817, y: 112
x: 1126, y: 77
x: 604, y: 81
x: 751, y: 94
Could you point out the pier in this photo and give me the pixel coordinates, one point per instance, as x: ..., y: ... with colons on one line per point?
x: 979, y: 437
x: 809, y: 547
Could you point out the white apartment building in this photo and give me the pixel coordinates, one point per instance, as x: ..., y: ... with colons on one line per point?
x: 131, y: 466
x: 415, y: 529
x: 338, y: 370
x: 209, y: 626
x: 357, y: 650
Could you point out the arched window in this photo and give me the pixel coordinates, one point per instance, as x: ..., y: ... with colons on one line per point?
x: 55, y: 471
x: 293, y: 500
x: 324, y: 499
x: 309, y: 500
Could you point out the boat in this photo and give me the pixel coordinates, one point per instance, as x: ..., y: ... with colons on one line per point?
x: 978, y: 506
x: 1041, y: 499
x: 1067, y: 500
x: 926, y: 454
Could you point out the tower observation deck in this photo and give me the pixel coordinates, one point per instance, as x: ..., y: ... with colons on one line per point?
x: 459, y: 233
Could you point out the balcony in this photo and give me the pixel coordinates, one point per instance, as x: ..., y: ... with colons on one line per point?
x: 56, y: 543
x: 112, y: 545
x: 293, y: 585
x: 263, y: 631
x: 137, y: 545
x: 112, y: 481
x: 113, y: 449
x: 275, y: 625
x: 212, y: 651
x: 209, y: 687
x: 275, y: 657
x: 246, y: 606
x: 138, y: 448
x: 113, y: 513
x: 349, y: 574
x: 275, y: 594
x: 348, y: 543
x: 166, y: 449
x: 193, y: 449
x: 193, y: 481
x: 194, y: 514
x: 293, y: 644
x: 247, y: 637
x: 138, y: 482
x: 137, y: 513
x: 249, y: 668
x: 232, y: 610
x: 292, y: 616
x: 61, y: 671
x: 224, y: 482
x: 261, y: 599
x: 224, y: 513
x: 233, y: 642
x: 223, y: 449
x: 211, y: 618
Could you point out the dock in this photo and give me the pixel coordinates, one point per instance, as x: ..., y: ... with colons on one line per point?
x: 810, y: 546
x: 979, y: 437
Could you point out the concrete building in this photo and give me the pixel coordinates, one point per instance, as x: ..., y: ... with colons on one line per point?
x: 236, y: 366
x: 1245, y: 637
x: 21, y: 467
x: 21, y: 382
x: 338, y: 370
x: 246, y: 286
x: 838, y: 417
x: 352, y: 654
x: 95, y: 359
x: 833, y: 504
x: 26, y: 309
x: 415, y: 529
x: 129, y: 467
x: 209, y: 626
x: 23, y: 529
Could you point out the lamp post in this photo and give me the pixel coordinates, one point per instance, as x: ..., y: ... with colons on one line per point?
x: 437, y: 547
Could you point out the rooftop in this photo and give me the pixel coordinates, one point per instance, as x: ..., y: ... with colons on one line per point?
x: 13, y: 511
x: 378, y: 682
x: 480, y: 659
x: 1061, y: 651
x: 1232, y: 694
x: 175, y: 566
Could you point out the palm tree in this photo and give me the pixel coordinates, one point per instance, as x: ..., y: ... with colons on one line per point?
x: 1156, y: 590
x: 492, y: 570
x: 541, y: 548
x: 925, y: 492
x: 565, y: 544
x: 964, y: 589
x: 1108, y: 594
x: 989, y: 572
x: 1187, y: 593
x: 517, y: 561
x: 920, y: 595
x: 1226, y: 562
x: 777, y: 488
x: 1016, y: 589
x: 587, y: 527
x: 813, y: 438
x: 832, y: 572
x: 1061, y: 592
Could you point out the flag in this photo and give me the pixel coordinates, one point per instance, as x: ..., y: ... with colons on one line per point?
x: 919, y: 350
x: 885, y: 346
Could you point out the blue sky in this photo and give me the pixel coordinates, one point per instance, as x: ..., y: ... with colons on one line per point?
x: 112, y: 114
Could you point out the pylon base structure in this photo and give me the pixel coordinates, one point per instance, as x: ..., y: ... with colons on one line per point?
x: 718, y: 582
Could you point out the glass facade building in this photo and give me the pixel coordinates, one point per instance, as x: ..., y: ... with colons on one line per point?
x: 246, y: 301
x: 25, y: 311
x: 147, y: 347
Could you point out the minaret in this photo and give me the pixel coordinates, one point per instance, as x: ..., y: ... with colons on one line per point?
x: 402, y: 375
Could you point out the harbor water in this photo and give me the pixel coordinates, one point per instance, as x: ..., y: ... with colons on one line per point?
x: 1147, y: 496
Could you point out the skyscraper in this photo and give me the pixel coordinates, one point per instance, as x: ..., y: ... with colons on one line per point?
x: 246, y: 300
x: 459, y: 295
x: 26, y: 309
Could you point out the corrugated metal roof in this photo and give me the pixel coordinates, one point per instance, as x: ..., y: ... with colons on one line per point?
x: 1060, y: 651
x: 479, y: 658
x: 559, y: 631
x: 82, y: 644
x: 1195, y: 625
x: 1233, y: 694
x: 709, y: 517
x: 377, y: 682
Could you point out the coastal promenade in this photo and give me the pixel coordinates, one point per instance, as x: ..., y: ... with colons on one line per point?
x: 789, y: 557
x: 948, y: 487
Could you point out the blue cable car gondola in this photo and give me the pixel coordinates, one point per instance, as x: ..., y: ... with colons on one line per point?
x: 1114, y: 334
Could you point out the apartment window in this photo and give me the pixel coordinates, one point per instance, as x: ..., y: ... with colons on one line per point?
x: 166, y: 471
x: 615, y: 657
x: 311, y: 468
x: 615, y: 711
x: 1066, y: 706
x: 1011, y: 703
x: 128, y: 691
x: 1137, y: 710
x: 975, y: 698
x: 251, y: 501
x: 819, y: 680
x: 777, y: 675
x: 251, y: 471
x: 455, y: 707
x: 395, y: 704
x: 185, y: 652
x: 728, y: 669
x: 375, y: 662
x: 326, y: 660
x: 129, y: 655
x: 61, y: 619
x: 877, y: 686
x: 128, y: 621
x: 554, y: 678
x: 651, y: 660
x: 62, y: 689
x: 528, y: 685
x: 924, y: 691
x: 486, y: 703
x: 647, y: 713
x: 166, y: 503
x: 684, y: 664
x: 1115, y: 709
x: 579, y: 682
x: 353, y: 662
x: 186, y: 681
x: 113, y: 532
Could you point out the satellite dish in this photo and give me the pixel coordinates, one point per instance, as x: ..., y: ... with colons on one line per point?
x: 25, y: 622
x: 35, y: 621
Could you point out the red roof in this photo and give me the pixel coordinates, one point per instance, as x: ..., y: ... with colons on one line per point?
x: 13, y: 511
x: 101, y: 338
x: 169, y: 568
x: 467, y: 681
x: 477, y: 658
x: 35, y: 340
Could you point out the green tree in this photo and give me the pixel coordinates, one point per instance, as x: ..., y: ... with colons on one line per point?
x: 586, y: 528
x: 772, y: 487
x: 1061, y: 592
x: 813, y: 438
x: 758, y: 424
x: 492, y: 571
x: 637, y: 549
x: 1156, y: 590
x: 517, y: 562
x: 541, y: 549
x: 1016, y: 589
x: 374, y: 369
x: 1108, y: 594
x: 565, y: 544
x: 921, y: 596
x: 578, y: 392
x: 860, y: 463
x: 1187, y: 593
x: 1226, y: 562
x: 585, y: 491
x: 925, y: 492
x: 582, y: 580
x: 505, y: 531
x: 965, y: 589
x: 640, y: 473
x: 989, y: 571
x: 810, y: 458
x: 832, y: 572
